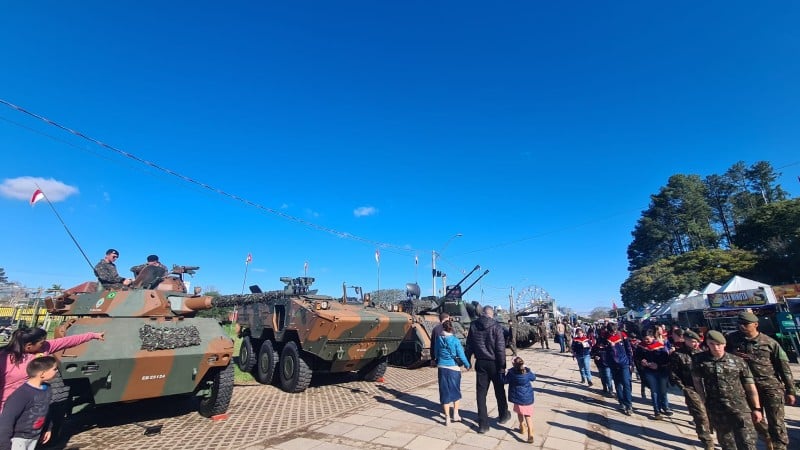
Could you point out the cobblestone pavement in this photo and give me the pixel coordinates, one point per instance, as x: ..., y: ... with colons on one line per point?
x: 257, y: 413
x: 339, y: 412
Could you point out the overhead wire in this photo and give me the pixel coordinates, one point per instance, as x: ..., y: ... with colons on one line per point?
x: 341, y: 234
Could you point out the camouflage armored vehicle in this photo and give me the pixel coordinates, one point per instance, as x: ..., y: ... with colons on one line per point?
x: 415, y: 350
x: 526, y: 334
x: 290, y: 334
x: 153, y: 345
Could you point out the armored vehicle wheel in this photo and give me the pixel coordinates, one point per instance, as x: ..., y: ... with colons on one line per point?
x: 220, y: 392
x: 267, y: 362
x: 374, y: 370
x: 294, y: 373
x: 247, y: 355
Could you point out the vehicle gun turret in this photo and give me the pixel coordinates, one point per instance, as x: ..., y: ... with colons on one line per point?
x: 154, y: 345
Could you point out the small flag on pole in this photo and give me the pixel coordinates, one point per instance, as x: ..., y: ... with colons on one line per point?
x: 305, y: 267
x: 377, y: 256
x: 37, y: 195
x: 249, y: 259
x: 614, y: 305
x: 416, y: 260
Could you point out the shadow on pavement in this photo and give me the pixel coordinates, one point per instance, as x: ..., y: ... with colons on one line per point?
x: 658, y: 438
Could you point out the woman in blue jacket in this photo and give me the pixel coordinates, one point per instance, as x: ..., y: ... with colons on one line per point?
x: 450, y: 357
x: 520, y: 393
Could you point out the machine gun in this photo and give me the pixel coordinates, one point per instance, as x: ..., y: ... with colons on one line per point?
x: 451, y: 301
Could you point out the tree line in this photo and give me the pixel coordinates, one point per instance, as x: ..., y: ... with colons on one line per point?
x: 700, y: 230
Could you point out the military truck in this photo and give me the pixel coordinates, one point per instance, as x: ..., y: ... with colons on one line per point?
x: 415, y: 350
x: 154, y: 346
x: 290, y: 334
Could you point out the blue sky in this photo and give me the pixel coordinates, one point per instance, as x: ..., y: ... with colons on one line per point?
x: 537, y: 130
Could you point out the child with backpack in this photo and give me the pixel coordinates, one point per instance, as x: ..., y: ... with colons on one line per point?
x: 520, y: 393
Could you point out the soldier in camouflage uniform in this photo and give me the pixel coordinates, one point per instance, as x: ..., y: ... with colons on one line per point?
x: 106, y: 272
x: 770, y: 367
x: 726, y: 386
x: 680, y: 362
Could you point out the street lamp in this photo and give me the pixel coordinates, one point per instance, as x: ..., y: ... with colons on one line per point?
x: 433, y: 259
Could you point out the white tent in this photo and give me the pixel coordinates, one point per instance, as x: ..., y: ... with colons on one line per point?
x: 694, y: 300
x: 738, y: 283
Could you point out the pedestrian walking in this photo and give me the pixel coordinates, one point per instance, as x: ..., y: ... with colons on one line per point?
x: 601, y: 354
x: 520, y: 393
x: 653, y: 358
x: 726, y: 385
x: 435, y: 333
x: 773, y: 377
x: 621, y: 363
x: 681, y: 376
x: 450, y: 358
x: 581, y: 349
x: 485, y: 342
x: 561, y: 337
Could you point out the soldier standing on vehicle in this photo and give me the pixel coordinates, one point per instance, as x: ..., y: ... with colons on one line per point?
x: 106, y: 272
x: 726, y: 385
x: 681, y: 375
x: 770, y: 367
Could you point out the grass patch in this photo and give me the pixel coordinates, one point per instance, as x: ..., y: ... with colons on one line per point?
x: 239, y: 376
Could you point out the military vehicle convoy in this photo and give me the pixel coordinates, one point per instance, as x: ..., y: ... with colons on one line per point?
x: 290, y: 334
x: 415, y: 350
x: 154, y: 346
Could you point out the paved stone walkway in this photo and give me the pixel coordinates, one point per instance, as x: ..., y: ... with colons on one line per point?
x: 568, y: 416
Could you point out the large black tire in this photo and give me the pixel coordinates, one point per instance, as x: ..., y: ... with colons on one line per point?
x: 374, y: 371
x: 247, y: 355
x: 293, y: 372
x: 221, y: 391
x: 267, y: 363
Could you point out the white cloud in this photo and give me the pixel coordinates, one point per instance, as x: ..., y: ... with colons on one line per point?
x: 22, y: 188
x: 363, y: 211
x: 106, y: 196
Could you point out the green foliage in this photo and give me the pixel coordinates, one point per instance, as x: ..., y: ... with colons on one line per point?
x: 669, y: 277
x: 674, y: 241
x: 773, y: 231
x: 677, y: 221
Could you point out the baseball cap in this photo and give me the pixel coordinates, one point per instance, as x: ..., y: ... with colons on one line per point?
x: 112, y: 251
x: 152, y: 258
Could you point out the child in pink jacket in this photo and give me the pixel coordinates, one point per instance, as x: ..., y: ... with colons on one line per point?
x: 25, y: 345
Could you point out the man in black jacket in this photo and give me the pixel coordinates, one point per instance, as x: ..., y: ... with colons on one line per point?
x: 485, y: 341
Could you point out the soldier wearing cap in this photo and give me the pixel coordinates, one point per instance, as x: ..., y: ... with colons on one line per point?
x: 726, y: 385
x: 773, y: 377
x: 106, y: 272
x: 681, y: 375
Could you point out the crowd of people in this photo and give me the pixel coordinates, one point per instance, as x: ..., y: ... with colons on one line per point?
x: 734, y: 386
